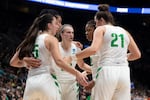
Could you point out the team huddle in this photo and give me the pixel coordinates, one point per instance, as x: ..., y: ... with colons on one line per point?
x: 50, y: 54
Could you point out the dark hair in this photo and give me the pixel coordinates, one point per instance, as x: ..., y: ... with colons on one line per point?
x: 51, y: 11
x: 91, y: 23
x: 39, y: 24
x: 104, y: 13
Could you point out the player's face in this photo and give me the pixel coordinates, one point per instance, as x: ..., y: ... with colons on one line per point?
x: 68, y: 34
x: 54, y: 26
x: 89, y: 30
x: 59, y: 22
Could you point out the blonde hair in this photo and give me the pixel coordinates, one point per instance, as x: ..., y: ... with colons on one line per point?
x: 62, y: 30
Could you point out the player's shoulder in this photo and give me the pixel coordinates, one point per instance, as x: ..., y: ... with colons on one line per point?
x: 50, y: 38
x: 101, y: 28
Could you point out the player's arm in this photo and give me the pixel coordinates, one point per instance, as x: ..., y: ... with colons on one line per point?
x: 52, y: 45
x: 134, y: 52
x: 16, y: 62
x: 96, y: 44
x: 32, y: 62
x: 84, y: 66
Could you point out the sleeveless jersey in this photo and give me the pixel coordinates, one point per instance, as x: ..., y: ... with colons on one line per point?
x: 42, y: 53
x: 61, y: 74
x: 114, y: 47
x: 40, y: 84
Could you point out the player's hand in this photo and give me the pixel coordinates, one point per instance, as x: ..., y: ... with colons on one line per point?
x: 90, y: 85
x: 85, y: 73
x: 82, y: 79
x: 32, y: 62
x: 78, y: 44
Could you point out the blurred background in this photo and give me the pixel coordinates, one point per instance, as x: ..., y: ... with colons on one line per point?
x: 17, y: 15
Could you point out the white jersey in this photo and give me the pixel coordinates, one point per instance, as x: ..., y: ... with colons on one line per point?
x: 42, y: 53
x: 40, y: 84
x: 112, y: 76
x: 61, y: 74
x: 116, y: 42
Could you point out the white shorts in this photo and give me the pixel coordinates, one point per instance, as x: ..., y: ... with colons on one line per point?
x: 41, y: 87
x: 69, y: 90
x: 112, y: 83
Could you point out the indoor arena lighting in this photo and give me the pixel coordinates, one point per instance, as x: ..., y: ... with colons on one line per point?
x: 92, y: 7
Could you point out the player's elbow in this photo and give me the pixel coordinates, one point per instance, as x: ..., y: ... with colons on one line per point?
x: 93, y: 51
x: 138, y: 55
x: 59, y: 62
x: 13, y: 63
x: 134, y: 56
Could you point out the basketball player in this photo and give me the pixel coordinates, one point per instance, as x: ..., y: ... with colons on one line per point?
x: 31, y: 61
x: 41, y: 44
x: 111, y: 44
x: 68, y: 83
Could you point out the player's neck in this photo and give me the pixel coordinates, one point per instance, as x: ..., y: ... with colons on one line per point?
x: 66, y: 45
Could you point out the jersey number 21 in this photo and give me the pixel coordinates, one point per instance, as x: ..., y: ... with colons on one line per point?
x: 116, y: 37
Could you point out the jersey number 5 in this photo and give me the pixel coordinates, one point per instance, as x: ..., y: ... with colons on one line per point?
x: 35, y: 51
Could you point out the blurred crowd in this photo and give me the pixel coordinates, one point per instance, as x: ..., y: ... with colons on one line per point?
x: 12, y: 84
x: 140, y: 94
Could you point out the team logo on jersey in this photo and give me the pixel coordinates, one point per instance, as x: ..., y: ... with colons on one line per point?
x: 73, y: 51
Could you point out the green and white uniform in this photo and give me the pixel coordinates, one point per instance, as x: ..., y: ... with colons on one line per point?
x: 68, y: 83
x: 113, y: 77
x: 40, y: 84
x: 93, y: 60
